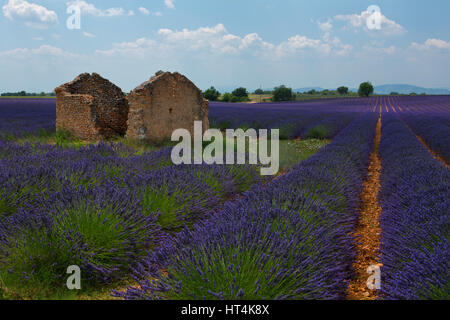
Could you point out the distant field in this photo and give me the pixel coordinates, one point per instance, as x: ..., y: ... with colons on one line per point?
x: 30, y: 97
x: 260, y: 97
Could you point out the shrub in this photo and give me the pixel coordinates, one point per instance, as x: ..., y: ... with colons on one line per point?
x: 241, y: 93
x: 211, y: 94
x: 342, y: 90
x: 317, y: 132
x: 174, y: 196
x: 282, y: 93
x: 102, y: 230
x: 226, y: 97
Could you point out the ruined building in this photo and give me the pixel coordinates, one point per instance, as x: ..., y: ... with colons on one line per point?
x: 91, y: 108
x: 166, y: 102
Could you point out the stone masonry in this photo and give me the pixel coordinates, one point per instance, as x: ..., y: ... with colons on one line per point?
x: 166, y: 102
x: 91, y: 108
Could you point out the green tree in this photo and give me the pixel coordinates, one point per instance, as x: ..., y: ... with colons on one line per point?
x: 259, y: 91
x: 365, y: 89
x: 226, y: 97
x: 241, y: 93
x: 282, y: 93
x: 211, y: 94
x: 342, y: 90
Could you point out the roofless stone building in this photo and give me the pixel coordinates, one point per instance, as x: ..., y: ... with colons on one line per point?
x: 91, y: 108
x: 166, y: 102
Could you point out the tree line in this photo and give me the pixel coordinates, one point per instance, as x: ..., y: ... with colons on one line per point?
x: 282, y: 93
x: 27, y: 94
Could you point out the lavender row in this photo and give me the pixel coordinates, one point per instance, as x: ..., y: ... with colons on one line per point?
x: 292, y: 124
x: 434, y: 129
x: 20, y: 118
x: 98, y: 207
x: 287, y: 240
x: 415, y: 193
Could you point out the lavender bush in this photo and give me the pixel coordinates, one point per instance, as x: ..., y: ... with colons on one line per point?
x: 434, y: 129
x: 415, y: 193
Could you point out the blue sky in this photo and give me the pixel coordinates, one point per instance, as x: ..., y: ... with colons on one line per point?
x: 226, y: 43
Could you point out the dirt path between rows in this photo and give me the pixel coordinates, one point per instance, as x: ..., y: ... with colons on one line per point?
x: 367, y: 233
x: 433, y: 154
x: 431, y: 151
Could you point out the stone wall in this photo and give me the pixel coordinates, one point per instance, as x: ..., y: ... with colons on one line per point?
x: 166, y: 102
x: 91, y: 108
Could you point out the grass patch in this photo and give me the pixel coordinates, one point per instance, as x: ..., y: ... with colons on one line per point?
x: 142, y: 146
x: 294, y: 151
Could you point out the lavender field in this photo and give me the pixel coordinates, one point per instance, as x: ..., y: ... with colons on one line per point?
x: 141, y: 227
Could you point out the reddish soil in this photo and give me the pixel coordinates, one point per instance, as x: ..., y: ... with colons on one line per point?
x: 367, y: 233
x: 434, y: 154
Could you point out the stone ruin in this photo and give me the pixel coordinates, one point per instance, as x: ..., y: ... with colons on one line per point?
x: 91, y: 108
x: 166, y: 102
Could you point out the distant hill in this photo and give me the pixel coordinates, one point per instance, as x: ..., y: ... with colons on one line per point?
x: 407, y: 89
x: 303, y: 90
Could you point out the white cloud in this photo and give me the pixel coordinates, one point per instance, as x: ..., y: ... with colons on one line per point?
x: 170, y: 4
x: 359, y: 21
x: 147, y: 12
x: 88, y: 8
x: 33, y: 15
x: 43, y: 50
x: 301, y: 42
x: 144, y: 11
x: 431, y: 44
x: 217, y: 40
x: 325, y: 26
x: 38, y: 38
x: 131, y: 13
x: 89, y: 35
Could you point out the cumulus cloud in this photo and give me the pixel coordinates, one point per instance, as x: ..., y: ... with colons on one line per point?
x: 218, y: 40
x: 325, y: 26
x: 359, y: 22
x: 31, y: 14
x: 43, y: 50
x: 88, y: 8
x: 170, y: 4
x: 430, y: 44
x: 144, y: 11
x: 213, y: 39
